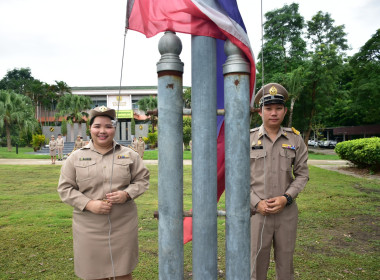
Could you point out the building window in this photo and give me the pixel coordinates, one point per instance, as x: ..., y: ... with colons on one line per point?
x: 135, y: 106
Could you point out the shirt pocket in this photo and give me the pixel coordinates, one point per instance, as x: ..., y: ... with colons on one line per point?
x: 286, y: 159
x: 85, y: 170
x: 257, y: 159
x: 122, y: 167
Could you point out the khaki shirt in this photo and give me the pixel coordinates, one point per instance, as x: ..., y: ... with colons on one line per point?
x: 86, y: 175
x: 60, y: 142
x: 52, y: 145
x: 78, y: 144
x: 277, y: 167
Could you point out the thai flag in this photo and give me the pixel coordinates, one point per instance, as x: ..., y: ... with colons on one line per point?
x: 219, y: 19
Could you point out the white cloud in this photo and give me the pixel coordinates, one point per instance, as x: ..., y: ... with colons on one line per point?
x: 80, y: 42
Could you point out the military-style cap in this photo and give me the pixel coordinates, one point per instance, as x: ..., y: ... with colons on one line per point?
x: 102, y: 111
x: 272, y: 93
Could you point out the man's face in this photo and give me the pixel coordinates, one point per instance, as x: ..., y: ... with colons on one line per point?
x: 273, y: 115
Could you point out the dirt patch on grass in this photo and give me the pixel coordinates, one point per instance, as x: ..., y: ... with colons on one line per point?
x: 352, y: 170
x: 364, y: 172
x: 359, y: 235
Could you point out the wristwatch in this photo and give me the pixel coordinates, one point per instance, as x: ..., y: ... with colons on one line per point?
x: 289, y: 199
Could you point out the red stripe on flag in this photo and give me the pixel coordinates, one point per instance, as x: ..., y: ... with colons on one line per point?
x: 188, y: 221
x: 154, y: 16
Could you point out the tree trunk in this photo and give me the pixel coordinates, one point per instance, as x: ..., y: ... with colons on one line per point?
x: 291, y: 112
x: 8, y: 133
x: 311, y: 116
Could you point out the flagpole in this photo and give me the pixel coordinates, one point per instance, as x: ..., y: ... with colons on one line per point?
x: 170, y: 155
x: 204, y: 157
x: 236, y: 103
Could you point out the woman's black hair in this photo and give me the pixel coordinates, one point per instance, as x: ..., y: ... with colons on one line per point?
x: 92, y: 120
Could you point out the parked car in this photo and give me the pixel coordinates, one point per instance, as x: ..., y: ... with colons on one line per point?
x: 329, y: 144
x: 312, y: 143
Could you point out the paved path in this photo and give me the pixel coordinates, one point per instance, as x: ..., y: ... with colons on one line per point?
x: 148, y: 162
x: 334, y: 165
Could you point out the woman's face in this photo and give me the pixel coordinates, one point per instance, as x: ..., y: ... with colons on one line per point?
x: 102, y: 132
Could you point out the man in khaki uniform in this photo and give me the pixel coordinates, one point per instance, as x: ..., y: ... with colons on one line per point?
x: 279, y: 173
x: 60, y: 145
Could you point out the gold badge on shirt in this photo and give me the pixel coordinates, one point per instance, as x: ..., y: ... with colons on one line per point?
x: 287, y: 146
x: 123, y: 156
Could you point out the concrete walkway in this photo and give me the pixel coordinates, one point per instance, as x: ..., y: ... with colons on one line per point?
x: 334, y: 165
x: 147, y: 162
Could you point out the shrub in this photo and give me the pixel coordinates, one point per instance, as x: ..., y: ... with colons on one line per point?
x: 186, y: 130
x: 64, y: 127
x: 152, y: 138
x: 364, y: 153
x: 37, y: 141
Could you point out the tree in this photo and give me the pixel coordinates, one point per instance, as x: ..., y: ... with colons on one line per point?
x: 284, y: 49
x: 328, y: 44
x: 18, y: 80
x: 296, y: 83
x: 74, y: 107
x: 186, y: 130
x: 149, y: 104
x: 16, y: 110
x: 187, y: 98
x: 365, y: 85
x: 61, y: 88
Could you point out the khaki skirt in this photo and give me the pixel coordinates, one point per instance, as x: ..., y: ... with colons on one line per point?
x: 92, y: 251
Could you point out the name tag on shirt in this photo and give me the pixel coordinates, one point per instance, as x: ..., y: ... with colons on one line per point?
x: 257, y: 147
x: 84, y: 158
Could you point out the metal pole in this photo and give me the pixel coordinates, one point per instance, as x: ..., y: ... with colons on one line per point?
x: 236, y: 102
x: 170, y: 155
x: 204, y: 171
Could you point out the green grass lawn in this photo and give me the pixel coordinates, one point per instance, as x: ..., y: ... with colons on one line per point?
x: 27, y: 153
x: 23, y: 153
x: 337, y: 233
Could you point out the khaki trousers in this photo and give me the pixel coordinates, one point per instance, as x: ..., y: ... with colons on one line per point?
x: 281, y: 231
x: 60, y: 152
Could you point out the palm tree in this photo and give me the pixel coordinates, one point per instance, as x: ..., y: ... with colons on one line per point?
x: 149, y: 103
x: 61, y: 88
x: 74, y: 107
x: 16, y: 110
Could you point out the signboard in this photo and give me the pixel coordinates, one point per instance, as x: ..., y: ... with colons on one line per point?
x: 125, y: 114
x: 123, y: 103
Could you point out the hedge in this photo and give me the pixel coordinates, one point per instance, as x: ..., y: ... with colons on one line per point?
x: 364, y: 153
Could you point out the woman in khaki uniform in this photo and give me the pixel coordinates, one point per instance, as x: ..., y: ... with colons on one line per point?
x: 78, y: 143
x: 102, y: 211
x: 141, y: 147
x: 53, y: 149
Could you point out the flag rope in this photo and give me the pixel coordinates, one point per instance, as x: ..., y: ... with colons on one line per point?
x: 263, y: 86
x: 114, y: 123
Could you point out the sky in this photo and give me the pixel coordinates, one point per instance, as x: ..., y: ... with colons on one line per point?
x: 80, y: 42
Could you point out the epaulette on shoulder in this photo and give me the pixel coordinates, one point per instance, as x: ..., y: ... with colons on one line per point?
x: 295, y: 131
x: 132, y: 148
x: 254, y: 129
